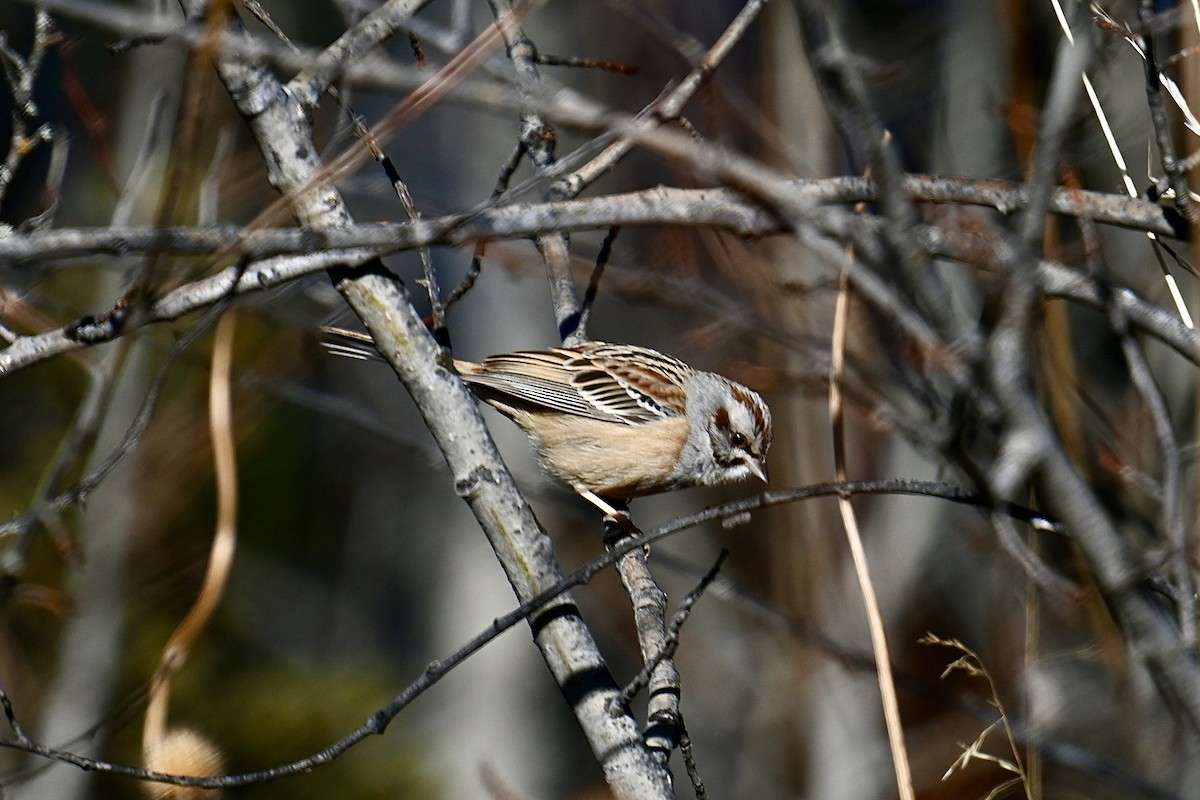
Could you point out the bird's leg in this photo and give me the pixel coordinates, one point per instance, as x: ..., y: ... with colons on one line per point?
x: 616, y: 517
x: 602, y: 504
x: 618, y: 522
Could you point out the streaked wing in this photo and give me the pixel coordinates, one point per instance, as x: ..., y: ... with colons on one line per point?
x: 532, y: 378
x: 633, y: 383
x: 617, y: 383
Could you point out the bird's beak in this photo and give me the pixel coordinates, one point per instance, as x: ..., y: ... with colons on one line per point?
x: 759, y: 468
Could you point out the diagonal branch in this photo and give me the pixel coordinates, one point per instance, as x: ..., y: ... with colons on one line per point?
x: 280, y: 125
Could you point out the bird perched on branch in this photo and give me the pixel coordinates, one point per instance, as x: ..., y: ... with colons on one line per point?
x: 615, y: 421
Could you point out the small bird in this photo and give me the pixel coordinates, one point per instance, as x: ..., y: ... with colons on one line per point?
x: 616, y: 421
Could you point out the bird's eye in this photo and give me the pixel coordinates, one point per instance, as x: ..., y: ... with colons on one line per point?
x: 739, y: 441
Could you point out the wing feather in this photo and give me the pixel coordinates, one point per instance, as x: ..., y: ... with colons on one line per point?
x: 615, y: 383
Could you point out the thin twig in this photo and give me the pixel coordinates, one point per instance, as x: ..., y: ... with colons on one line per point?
x: 658, y: 672
x: 1176, y: 174
x: 589, y: 296
x: 879, y: 645
x: 667, y: 107
x: 79, y: 491
x: 378, y: 722
x: 849, y: 106
x: 476, y: 267
x: 68, y: 461
x: 688, y: 752
x: 670, y: 643
x: 539, y: 138
x: 21, y: 73
x: 1172, y: 515
x: 658, y: 206
x: 586, y: 63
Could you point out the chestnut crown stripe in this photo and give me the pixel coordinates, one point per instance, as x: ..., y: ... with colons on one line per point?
x: 746, y: 398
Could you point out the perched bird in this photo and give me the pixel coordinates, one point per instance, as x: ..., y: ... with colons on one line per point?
x: 615, y: 421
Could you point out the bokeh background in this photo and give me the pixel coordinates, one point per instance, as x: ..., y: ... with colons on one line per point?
x: 357, y: 563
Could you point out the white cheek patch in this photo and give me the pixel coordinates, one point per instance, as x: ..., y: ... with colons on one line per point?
x: 738, y: 472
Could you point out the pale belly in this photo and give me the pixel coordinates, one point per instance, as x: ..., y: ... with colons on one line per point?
x: 610, y: 459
